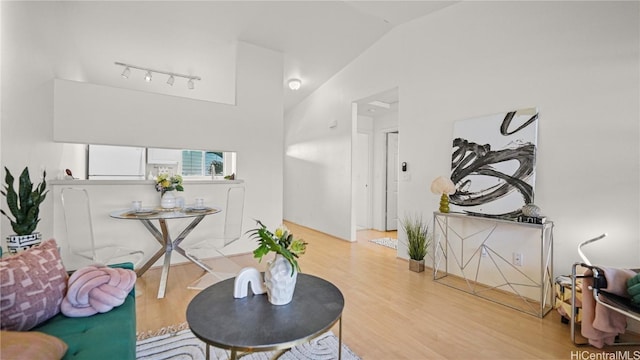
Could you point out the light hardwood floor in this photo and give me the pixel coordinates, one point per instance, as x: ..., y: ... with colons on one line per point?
x: 390, y: 312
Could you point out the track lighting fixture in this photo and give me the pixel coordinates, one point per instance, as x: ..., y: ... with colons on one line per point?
x: 127, y: 71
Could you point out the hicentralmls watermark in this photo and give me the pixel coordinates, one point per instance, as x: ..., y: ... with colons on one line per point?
x: 614, y: 355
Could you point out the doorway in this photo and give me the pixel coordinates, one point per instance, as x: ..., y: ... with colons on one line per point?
x: 375, y: 163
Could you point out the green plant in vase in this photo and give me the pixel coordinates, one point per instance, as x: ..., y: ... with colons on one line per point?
x: 418, y: 241
x: 24, y: 206
x: 281, y: 242
x: 281, y: 273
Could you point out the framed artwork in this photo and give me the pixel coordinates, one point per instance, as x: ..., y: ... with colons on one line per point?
x: 493, y: 163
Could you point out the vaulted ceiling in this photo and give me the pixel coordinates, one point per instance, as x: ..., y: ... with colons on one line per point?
x: 316, y: 38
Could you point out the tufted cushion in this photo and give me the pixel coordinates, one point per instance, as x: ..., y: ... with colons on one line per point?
x: 32, y: 286
x: 97, y: 289
x: 32, y: 345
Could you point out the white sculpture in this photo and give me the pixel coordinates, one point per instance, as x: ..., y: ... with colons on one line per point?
x: 245, y: 277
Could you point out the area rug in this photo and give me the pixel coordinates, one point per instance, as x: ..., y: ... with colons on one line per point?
x: 179, y: 343
x: 388, y: 242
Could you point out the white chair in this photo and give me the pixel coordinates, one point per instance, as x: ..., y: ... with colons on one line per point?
x: 212, y: 247
x: 80, y: 237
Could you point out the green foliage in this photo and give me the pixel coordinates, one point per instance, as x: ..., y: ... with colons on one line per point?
x: 24, y: 204
x: 165, y: 183
x: 281, y: 242
x: 418, y: 237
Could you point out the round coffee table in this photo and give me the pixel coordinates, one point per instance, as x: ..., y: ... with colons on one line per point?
x: 253, y: 324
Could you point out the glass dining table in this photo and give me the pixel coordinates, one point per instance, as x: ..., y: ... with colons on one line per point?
x: 147, y: 216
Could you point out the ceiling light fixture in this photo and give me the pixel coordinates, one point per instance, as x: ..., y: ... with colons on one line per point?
x: 295, y: 84
x: 149, y: 72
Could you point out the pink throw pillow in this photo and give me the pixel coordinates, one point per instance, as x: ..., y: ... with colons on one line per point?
x: 32, y: 286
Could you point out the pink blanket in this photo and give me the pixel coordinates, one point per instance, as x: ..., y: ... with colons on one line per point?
x: 600, y: 324
x: 95, y: 289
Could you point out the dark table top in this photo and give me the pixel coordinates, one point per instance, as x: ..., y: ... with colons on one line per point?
x: 254, y: 324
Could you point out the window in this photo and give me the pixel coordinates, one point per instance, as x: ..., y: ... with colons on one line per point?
x: 138, y: 163
x: 201, y: 163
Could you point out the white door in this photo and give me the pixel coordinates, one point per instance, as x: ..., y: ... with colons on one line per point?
x: 392, y: 182
x: 363, y: 197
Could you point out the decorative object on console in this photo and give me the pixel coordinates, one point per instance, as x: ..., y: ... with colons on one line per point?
x: 531, y: 214
x: 493, y: 163
x: 444, y: 187
x: 281, y: 274
x: 165, y: 184
x: 531, y: 210
x: 24, y: 205
x: 418, y: 241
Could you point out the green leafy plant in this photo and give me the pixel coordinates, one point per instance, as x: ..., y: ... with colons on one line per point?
x: 418, y: 237
x: 24, y: 205
x: 281, y: 242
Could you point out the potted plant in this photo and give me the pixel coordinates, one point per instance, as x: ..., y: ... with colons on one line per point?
x: 164, y: 185
x: 281, y: 273
x: 24, y: 205
x: 418, y: 241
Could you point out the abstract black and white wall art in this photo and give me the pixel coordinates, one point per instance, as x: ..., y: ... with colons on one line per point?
x: 493, y: 163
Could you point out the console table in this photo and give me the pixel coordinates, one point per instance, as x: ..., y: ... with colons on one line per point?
x: 504, y: 261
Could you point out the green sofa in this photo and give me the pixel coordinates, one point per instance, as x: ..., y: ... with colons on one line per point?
x: 108, y: 336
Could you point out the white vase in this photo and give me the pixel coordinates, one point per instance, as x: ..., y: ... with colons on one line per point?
x: 279, y: 281
x: 168, y: 200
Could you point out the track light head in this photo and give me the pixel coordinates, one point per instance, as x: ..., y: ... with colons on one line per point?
x: 190, y: 84
x: 147, y: 77
x: 126, y: 72
x: 171, y: 80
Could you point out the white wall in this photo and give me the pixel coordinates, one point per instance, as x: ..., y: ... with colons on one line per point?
x: 578, y: 62
x: 109, y: 115
x: 317, y: 174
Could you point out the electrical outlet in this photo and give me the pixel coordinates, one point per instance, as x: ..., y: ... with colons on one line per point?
x: 484, y: 252
x: 518, y: 259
